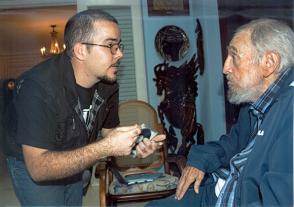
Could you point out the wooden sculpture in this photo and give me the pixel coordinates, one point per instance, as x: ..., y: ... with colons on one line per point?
x: 178, y: 88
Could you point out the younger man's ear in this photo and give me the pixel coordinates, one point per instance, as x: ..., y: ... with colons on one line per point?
x: 271, y: 63
x: 79, y: 51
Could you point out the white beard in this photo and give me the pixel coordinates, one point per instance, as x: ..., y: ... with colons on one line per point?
x: 248, y: 91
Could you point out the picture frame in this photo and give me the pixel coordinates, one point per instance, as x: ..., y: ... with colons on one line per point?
x: 168, y: 7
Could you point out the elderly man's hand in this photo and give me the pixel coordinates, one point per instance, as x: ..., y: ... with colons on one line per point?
x: 189, y: 175
x: 147, y: 147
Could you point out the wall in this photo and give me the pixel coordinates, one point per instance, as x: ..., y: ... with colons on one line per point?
x: 210, y: 101
x: 211, y: 97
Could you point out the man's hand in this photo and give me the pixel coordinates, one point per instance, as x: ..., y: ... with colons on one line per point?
x: 189, y: 175
x: 148, y: 147
x: 121, y: 140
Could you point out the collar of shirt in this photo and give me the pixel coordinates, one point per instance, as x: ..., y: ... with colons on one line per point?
x: 260, y: 106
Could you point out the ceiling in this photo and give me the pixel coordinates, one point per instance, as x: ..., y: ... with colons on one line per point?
x: 281, y: 9
x: 238, y: 4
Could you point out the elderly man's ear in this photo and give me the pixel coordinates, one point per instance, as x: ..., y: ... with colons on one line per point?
x: 271, y: 63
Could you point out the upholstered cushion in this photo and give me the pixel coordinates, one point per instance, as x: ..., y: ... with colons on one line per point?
x: 164, y: 182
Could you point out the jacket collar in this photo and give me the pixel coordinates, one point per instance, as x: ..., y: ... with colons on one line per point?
x: 280, y: 85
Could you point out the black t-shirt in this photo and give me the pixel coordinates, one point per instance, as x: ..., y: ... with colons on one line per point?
x: 44, y: 111
x: 47, y: 92
x: 85, y: 97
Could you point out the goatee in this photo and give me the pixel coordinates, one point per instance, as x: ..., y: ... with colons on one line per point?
x: 106, y: 79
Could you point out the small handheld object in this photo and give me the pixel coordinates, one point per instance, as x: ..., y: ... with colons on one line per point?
x: 145, y: 133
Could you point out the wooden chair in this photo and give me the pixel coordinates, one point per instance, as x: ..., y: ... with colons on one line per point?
x: 131, y: 112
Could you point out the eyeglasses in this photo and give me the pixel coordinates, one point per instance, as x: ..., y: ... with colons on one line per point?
x: 113, y: 47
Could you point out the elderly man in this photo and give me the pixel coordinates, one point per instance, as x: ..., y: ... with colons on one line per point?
x: 253, y: 164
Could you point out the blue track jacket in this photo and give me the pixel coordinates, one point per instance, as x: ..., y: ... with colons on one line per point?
x: 267, y: 178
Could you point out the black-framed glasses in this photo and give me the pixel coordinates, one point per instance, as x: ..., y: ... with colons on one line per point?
x: 113, y: 47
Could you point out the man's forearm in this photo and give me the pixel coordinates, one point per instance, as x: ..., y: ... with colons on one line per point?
x: 46, y: 165
x: 52, y: 165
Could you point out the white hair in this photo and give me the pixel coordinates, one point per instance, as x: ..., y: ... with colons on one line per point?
x: 271, y: 35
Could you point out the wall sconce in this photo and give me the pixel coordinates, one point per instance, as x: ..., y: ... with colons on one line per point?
x: 54, y: 45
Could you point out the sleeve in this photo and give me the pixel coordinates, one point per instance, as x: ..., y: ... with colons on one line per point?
x: 213, y: 155
x: 35, y: 116
x: 112, y: 119
x: 276, y: 186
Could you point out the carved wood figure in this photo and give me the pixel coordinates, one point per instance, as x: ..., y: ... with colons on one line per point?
x: 178, y: 88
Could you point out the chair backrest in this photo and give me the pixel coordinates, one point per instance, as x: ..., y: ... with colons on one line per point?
x: 139, y: 112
